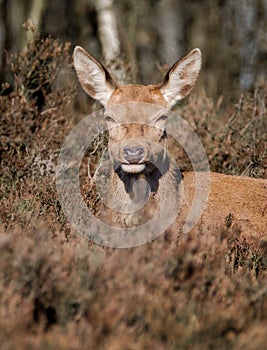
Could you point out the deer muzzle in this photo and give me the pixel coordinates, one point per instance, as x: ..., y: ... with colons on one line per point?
x: 133, y: 159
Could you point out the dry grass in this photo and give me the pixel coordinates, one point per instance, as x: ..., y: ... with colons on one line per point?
x: 59, y: 291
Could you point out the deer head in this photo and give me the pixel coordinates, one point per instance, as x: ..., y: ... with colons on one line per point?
x: 134, y: 130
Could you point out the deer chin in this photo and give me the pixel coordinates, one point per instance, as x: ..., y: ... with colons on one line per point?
x: 133, y: 168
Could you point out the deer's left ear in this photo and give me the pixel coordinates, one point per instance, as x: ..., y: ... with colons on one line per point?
x: 181, y: 78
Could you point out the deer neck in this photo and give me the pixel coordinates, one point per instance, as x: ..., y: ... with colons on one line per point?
x: 133, y: 199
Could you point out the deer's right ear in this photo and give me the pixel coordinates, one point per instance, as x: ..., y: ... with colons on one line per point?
x: 181, y: 78
x: 93, y: 77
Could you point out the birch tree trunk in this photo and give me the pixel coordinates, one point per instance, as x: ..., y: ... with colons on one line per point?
x: 246, y: 27
x: 109, y: 38
x: 35, y: 16
x: 171, y: 30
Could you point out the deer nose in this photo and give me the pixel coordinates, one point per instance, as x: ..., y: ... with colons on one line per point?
x: 133, y: 155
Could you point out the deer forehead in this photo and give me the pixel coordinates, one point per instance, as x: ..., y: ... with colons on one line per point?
x: 137, y: 93
x: 134, y: 131
x: 135, y: 112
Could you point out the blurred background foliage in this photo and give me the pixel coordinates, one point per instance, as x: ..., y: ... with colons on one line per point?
x: 154, y: 34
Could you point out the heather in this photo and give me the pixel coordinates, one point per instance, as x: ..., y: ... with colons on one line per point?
x: 60, y: 291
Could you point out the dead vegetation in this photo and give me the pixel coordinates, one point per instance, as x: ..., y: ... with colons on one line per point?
x: 59, y: 291
x: 235, y: 138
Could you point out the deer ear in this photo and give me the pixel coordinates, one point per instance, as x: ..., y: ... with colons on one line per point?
x: 93, y: 77
x: 181, y: 78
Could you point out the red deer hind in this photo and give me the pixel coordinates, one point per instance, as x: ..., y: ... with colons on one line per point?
x: 142, y: 173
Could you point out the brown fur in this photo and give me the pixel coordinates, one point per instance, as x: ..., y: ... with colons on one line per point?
x: 232, y: 200
x: 137, y: 93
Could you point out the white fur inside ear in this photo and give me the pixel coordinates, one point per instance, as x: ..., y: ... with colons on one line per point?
x: 181, y: 78
x: 92, y: 76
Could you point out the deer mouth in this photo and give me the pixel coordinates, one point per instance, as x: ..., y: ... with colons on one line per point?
x: 133, y: 168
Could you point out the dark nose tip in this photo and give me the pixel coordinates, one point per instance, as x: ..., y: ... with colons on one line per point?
x: 133, y: 155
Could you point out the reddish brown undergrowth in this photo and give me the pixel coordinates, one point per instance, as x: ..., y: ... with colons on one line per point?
x: 59, y: 291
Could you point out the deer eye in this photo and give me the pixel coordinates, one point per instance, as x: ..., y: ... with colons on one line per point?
x: 161, y: 121
x: 109, y: 119
x: 162, y: 118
